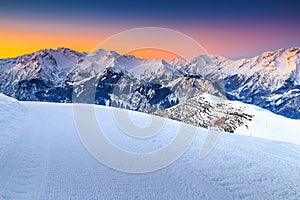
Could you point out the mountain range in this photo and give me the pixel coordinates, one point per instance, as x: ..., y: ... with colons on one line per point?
x: 270, y: 80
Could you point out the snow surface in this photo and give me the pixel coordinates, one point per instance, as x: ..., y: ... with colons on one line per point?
x: 268, y: 125
x: 42, y: 157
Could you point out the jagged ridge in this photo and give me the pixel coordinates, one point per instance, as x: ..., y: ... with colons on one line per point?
x: 270, y: 80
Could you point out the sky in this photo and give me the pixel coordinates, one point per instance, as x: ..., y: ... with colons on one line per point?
x: 232, y: 28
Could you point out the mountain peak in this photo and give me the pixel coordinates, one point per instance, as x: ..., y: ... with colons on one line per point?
x: 103, y: 53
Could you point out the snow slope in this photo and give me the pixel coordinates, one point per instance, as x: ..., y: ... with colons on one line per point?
x: 42, y: 157
x: 233, y: 116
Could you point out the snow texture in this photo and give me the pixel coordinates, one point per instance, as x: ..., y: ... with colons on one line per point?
x: 42, y: 157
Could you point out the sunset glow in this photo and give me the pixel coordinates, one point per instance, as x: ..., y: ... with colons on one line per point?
x: 229, y: 32
x: 153, y: 54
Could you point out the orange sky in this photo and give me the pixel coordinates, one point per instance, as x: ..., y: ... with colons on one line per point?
x: 153, y: 53
x: 18, y: 37
x: 15, y: 44
x: 19, y: 41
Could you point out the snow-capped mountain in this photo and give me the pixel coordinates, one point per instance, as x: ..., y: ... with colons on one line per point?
x: 23, y: 76
x: 147, y: 94
x: 270, y: 80
x: 127, y: 82
x: 297, y: 72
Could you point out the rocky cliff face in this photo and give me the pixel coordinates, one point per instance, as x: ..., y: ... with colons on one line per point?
x: 208, y: 112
